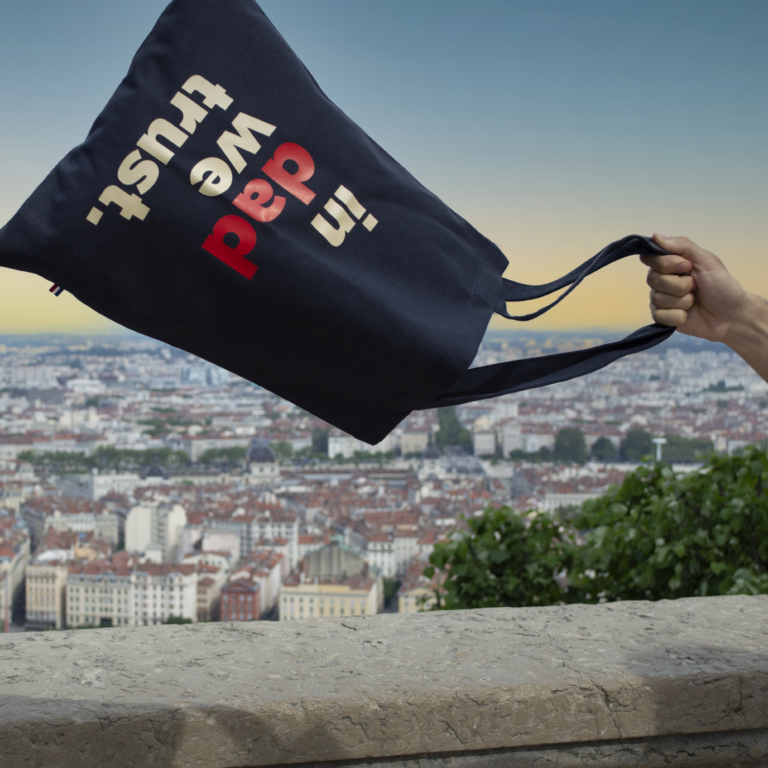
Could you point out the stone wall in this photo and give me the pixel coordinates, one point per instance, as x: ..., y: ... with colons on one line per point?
x: 681, y: 683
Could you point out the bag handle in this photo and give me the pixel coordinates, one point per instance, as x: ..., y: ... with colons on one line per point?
x: 518, y: 375
x: 627, y: 246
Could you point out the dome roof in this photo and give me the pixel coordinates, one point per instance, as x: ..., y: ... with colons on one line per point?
x: 260, y: 452
x: 154, y: 470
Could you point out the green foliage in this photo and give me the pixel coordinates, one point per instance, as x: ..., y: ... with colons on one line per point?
x: 391, y: 586
x: 603, y: 449
x: 103, y: 458
x: 451, y: 432
x: 685, y: 449
x: 283, y: 450
x: 570, y: 445
x: 320, y: 440
x: 502, y: 559
x: 121, y: 459
x: 309, y: 453
x: 60, y: 462
x: 177, y: 620
x: 374, y: 458
x: 658, y: 536
x: 536, y: 457
x: 636, y: 444
x: 164, y: 422
x: 234, y: 455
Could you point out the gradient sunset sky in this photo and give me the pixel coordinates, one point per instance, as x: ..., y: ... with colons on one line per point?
x: 587, y: 120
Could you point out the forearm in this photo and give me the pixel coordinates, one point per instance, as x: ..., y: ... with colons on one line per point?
x: 748, y: 334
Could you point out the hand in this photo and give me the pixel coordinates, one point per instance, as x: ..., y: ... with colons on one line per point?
x: 693, y: 291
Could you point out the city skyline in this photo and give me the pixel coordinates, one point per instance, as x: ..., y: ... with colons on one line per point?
x: 141, y: 485
x: 554, y: 129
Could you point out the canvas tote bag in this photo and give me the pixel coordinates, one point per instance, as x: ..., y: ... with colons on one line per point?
x: 223, y: 204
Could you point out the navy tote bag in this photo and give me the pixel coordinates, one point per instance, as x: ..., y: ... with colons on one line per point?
x: 223, y: 204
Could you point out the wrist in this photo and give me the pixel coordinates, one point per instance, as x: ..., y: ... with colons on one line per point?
x: 747, y: 334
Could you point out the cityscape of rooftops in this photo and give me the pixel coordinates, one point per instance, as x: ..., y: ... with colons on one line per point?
x: 141, y: 485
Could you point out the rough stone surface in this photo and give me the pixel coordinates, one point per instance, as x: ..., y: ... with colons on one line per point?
x: 734, y: 749
x: 557, y: 682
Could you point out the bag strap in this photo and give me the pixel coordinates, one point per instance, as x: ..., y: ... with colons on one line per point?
x: 627, y: 246
x: 518, y: 375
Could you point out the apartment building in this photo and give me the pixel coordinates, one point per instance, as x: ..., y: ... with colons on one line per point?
x: 46, y: 588
x: 359, y: 595
x: 120, y: 591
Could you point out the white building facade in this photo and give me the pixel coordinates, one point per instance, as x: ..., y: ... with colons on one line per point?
x: 110, y: 595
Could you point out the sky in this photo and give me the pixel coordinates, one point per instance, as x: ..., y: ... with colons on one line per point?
x: 553, y: 126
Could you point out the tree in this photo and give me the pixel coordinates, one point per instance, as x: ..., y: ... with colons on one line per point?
x: 283, y: 450
x: 685, y: 449
x: 451, y: 432
x: 177, y: 620
x: 234, y: 455
x: 502, y: 559
x: 104, y: 457
x: 603, y: 449
x: 658, y: 536
x: 570, y: 445
x: 637, y: 444
x: 320, y: 440
x: 391, y: 587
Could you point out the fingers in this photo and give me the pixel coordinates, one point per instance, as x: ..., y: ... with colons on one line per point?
x: 675, y: 285
x: 665, y: 301
x: 683, y: 249
x: 667, y: 265
x: 672, y: 317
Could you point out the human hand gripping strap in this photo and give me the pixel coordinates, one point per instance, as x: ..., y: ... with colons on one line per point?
x: 518, y: 375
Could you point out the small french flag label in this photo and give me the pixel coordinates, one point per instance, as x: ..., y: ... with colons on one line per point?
x: 56, y: 290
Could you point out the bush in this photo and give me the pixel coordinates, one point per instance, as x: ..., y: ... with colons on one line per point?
x: 661, y: 537
x: 657, y: 536
x: 501, y: 559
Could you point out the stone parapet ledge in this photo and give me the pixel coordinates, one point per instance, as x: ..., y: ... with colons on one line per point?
x: 673, y: 683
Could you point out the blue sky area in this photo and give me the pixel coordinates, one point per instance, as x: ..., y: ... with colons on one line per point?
x: 554, y: 127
